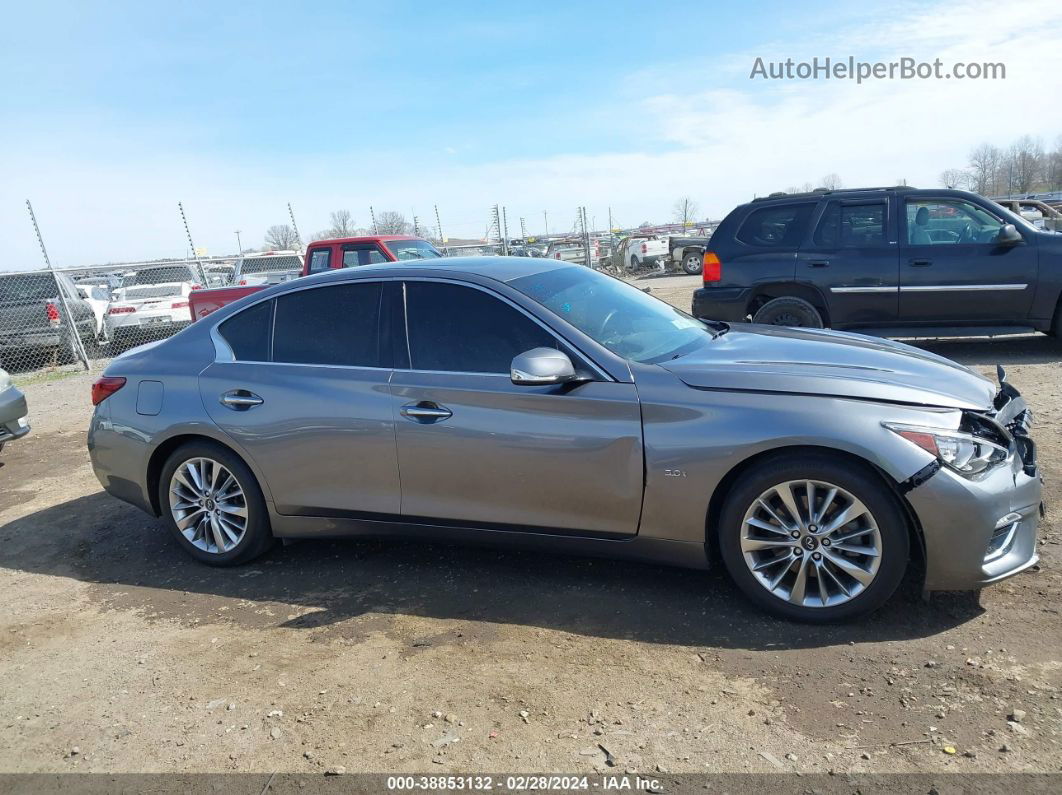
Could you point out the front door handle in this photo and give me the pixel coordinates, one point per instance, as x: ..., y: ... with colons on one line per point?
x: 819, y: 263
x: 240, y: 400
x: 425, y: 412
x: 920, y: 263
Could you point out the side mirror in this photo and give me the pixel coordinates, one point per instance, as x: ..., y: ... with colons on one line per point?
x: 542, y: 367
x: 1009, y: 235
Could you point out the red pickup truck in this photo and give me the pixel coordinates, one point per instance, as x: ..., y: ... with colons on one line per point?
x: 323, y: 255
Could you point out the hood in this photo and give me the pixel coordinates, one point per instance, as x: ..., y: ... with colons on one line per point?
x: 835, y: 363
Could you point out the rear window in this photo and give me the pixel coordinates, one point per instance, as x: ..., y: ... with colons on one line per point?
x: 270, y: 264
x: 776, y: 226
x: 334, y: 325
x: 852, y: 225
x: 31, y: 287
x: 413, y: 249
x: 166, y: 275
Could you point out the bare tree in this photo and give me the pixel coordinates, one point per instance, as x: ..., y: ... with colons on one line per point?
x: 685, y: 211
x: 985, y: 161
x: 1025, y: 164
x: 1053, y: 166
x: 831, y: 182
x: 281, y: 237
x: 955, y: 178
x: 342, y: 224
x: 390, y: 222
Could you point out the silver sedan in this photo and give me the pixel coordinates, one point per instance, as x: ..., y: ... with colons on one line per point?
x: 532, y: 402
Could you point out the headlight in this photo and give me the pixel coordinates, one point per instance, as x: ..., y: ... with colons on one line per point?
x: 961, y: 452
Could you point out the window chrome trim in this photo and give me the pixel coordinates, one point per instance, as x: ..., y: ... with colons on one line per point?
x: 937, y: 288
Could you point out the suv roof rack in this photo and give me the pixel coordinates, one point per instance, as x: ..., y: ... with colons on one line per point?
x: 826, y: 192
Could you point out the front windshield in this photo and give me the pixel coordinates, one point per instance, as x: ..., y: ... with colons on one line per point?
x: 620, y: 317
x: 413, y: 249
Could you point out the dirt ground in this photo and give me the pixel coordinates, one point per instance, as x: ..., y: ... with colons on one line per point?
x: 118, y: 653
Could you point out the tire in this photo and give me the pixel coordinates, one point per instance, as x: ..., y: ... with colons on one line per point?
x: 198, y: 538
x: 788, y: 311
x: 882, y: 526
x: 693, y: 264
x: 634, y: 263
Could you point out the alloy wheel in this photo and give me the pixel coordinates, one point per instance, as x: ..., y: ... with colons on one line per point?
x: 208, y: 504
x: 811, y: 543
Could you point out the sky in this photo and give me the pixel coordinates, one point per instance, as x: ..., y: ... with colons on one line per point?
x: 112, y: 113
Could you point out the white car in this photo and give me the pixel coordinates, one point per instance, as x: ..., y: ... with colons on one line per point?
x: 272, y: 267
x: 151, y: 303
x: 99, y: 298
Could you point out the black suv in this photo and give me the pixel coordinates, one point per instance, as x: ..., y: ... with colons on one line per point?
x: 885, y: 261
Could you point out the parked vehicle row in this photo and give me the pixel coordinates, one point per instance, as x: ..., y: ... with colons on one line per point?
x: 42, y: 314
x: 885, y: 261
x: 426, y: 400
x: 14, y: 415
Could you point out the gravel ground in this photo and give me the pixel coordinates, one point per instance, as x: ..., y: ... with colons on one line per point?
x: 120, y: 654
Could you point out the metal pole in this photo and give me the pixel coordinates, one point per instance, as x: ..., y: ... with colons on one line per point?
x: 438, y: 226
x: 545, y: 218
x: 610, y: 220
x: 586, y: 240
x: 71, y: 325
x: 191, y: 244
x: 505, y: 240
x: 239, y: 245
x: 298, y: 237
x: 372, y: 215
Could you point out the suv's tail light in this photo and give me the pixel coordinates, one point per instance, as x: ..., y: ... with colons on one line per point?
x: 645, y: 248
x: 179, y: 305
x: 713, y: 267
x: 121, y: 310
x: 104, y: 387
x: 53, y: 314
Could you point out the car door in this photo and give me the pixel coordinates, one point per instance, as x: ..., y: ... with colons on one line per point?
x: 854, y: 262
x: 952, y: 268
x: 478, y: 450
x: 305, y: 394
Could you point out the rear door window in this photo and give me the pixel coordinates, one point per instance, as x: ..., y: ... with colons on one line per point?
x: 845, y: 225
x: 776, y: 226
x: 362, y: 254
x: 320, y: 260
x: 336, y: 325
x: 248, y: 333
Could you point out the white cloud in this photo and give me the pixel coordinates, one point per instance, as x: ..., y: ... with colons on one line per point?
x: 100, y: 198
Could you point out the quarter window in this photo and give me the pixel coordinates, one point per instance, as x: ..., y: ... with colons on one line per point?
x: 776, y: 226
x: 852, y: 225
x: 461, y: 329
x: 932, y: 222
x: 247, y: 333
x: 334, y: 325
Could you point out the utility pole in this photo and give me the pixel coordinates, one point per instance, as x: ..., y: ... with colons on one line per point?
x: 545, y: 218
x: 372, y: 215
x: 523, y: 229
x: 416, y: 223
x: 75, y: 339
x: 298, y: 237
x: 496, y: 226
x: 505, y: 240
x: 610, y: 220
x: 191, y: 245
x: 438, y: 226
x: 239, y: 245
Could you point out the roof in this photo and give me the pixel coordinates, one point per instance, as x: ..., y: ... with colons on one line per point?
x: 363, y: 239
x: 837, y: 192
x: 502, y: 269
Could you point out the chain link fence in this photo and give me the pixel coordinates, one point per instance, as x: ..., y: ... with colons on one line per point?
x: 51, y: 319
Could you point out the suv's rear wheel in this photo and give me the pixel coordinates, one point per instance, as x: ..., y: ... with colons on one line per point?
x: 814, y: 538
x: 693, y: 264
x: 213, y: 505
x: 788, y: 311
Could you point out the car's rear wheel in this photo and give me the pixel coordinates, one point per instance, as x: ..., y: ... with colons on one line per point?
x: 788, y: 311
x: 693, y: 264
x: 213, y: 505
x: 814, y: 538
x: 634, y: 263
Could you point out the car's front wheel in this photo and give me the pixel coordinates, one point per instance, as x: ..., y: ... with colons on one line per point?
x: 211, y: 502
x: 814, y: 538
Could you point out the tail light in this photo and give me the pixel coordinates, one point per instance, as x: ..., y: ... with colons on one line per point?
x: 557, y: 255
x: 645, y: 248
x: 104, y: 387
x: 179, y: 305
x: 713, y: 267
x: 53, y: 314
x: 121, y: 310
x: 243, y: 282
x: 197, y: 287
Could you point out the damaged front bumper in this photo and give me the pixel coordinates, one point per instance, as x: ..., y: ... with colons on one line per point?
x: 980, y: 531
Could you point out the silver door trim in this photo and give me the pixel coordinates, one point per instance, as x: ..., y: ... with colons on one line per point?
x: 892, y: 289
x: 966, y: 288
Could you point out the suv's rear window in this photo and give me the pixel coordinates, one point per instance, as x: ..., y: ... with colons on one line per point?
x: 31, y: 287
x: 775, y: 226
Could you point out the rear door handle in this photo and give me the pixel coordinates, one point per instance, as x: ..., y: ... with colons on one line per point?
x: 425, y: 412
x: 920, y: 263
x: 819, y: 263
x: 240, y: 400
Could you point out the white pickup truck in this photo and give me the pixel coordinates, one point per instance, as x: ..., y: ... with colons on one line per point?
x: 640, y: 251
